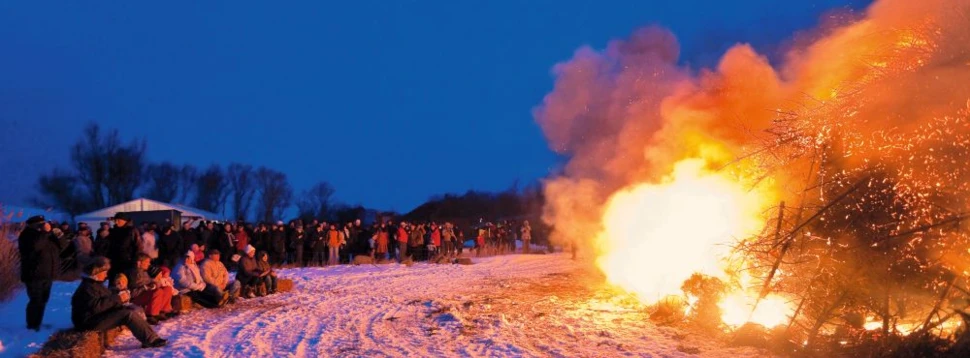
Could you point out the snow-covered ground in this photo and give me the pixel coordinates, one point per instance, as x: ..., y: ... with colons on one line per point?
x: 15, y: 339
x: 504, y: 306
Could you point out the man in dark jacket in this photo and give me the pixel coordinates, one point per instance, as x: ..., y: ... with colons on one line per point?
x: 189, y: 237
x: 277, y: 244
x: 122, y: 245
x: 170, y: 247
x: 95, y: 308
x: 39, y: 266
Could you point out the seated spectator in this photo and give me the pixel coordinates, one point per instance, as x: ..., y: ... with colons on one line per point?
x: 145, y: 292
x: 189, y: 282
x: 248, y: 274
x: 265, y: 269
x: 216, y: 277
x: 95, y: 308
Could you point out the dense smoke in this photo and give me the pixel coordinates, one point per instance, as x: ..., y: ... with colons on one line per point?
x: 628, y: 113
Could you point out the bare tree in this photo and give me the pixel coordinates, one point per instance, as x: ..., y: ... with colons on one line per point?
x: 316, y: 202
x: 275, y: 191
x: 109, y: 171
x: 241, y: 182
x: 61, y: 189
x: 188, y: 176
x: 163, y: 181
x: 211, y: 189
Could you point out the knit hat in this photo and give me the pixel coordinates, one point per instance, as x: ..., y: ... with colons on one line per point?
x: 250, y: 248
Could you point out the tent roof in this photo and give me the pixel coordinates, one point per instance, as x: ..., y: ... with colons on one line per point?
x: 142, y: 204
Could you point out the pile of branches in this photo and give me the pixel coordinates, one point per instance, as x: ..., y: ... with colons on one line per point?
x: 872, y: 245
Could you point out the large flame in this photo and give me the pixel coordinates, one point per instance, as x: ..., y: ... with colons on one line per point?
x: 655, y: 236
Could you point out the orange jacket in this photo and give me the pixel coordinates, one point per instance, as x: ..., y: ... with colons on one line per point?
x: 333, y: 238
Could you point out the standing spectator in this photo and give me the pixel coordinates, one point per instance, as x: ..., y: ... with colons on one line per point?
x: 95, y: 308
x: 297, y: 243
x: 415, y: 240
x: 277, y: 244
x: 333, y: 241
x: 402, y: 241
x: 381, y: 243
x: 206, y: 233
x: 39, y: 266
x: 189, y: 237
x: 447, y: 238
x: 242, y: 239
x: 318, y: 245
x: 436, y: 238
x: 216, y: 277
x: 225, y: 243
x: 526, y: 237
x: 146, y: 242
x: 122, y: 245
x: 101, y: 242
x: 84, y: 246
x: 170, y: 247
x: 156, y: 300
x: 261, y: 238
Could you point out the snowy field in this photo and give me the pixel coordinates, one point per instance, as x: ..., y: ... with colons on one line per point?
x: 505, y: 306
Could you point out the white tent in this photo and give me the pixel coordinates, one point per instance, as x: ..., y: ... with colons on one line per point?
x: 94, y: 218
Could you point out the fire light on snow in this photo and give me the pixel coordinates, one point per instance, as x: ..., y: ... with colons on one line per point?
x: 655, y: 236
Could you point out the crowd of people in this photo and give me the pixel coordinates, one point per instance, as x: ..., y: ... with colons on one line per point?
x: 146, y: 266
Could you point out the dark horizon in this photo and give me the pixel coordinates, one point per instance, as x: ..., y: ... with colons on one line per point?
x: 391, y: 104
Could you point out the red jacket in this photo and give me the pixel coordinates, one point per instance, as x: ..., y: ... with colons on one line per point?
x: 242, y: 240
x: 402, y: 235
x: 436, y: 237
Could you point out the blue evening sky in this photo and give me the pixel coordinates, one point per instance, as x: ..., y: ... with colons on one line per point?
x: 390, y: 101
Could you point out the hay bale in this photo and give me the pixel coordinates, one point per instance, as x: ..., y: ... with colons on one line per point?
x: 385, y: 262
x: 74, y: 343
x: 284, y: 285
x: 464, y: 261
x: 182, y: 303
x: 363, y: 260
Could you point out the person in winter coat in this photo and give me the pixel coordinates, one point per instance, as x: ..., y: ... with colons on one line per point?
x: 526, y: 236
x: 225, y: 242
x: 147, y: 243
x: 189, y: 282
x: 436, y: 237
x: 156, y: 300
x: 447, y: 238
x: 261, y: 238
x: 198, y: 252
x: 101, y: 242
x: 216, y: 277
x: 122, y: 245
x: 84, y: 245
x: 39, y: 266
x: 189, y: 236
x: 266, y: 271
x: 333, y: 242
x: 277, y: 244
x: 242, y: 239
x: 318, y: 245
x: 249, y: 275
x: 206, y: 233
x: 297, y: 242
x: 415, y: 240
x: 170, y: 247
x: 381, y: 243
x: 95, y: 308
x: 402, y: 241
